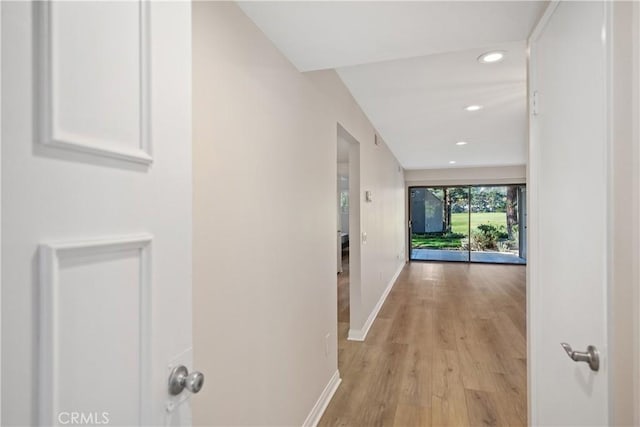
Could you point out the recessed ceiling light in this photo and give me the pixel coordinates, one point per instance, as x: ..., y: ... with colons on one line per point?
x: 461, y: 143
x: 491, y: 57
x: 452, y: 162
x: 473, y: 107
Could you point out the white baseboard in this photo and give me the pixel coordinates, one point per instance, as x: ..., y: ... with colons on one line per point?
x: 361, y: 334
x: 323, y: 401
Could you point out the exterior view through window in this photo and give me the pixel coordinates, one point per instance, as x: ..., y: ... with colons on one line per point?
x: 469, y: 224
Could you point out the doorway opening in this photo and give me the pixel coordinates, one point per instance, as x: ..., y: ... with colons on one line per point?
x: 348, y: 236
x: 343, y: 239
x: 479, y: 223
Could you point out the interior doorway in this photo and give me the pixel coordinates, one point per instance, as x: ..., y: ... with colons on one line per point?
x: 343, y: 238
x: 348, y: 236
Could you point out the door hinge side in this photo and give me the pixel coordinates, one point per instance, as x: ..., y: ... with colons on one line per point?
x: 534, y: 103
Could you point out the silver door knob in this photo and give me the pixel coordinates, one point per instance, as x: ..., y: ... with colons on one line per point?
x: 591, y: 356
x: 180, y: 379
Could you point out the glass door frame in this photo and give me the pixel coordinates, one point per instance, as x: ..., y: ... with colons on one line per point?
x: 468, y: 187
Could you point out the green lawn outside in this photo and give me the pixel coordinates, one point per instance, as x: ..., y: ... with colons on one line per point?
x: 459, y: 225
x: 460, y: 221
x: 435, y: 242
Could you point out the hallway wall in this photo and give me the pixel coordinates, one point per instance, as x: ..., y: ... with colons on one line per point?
x: 265, y: 223
x: 467, y: 176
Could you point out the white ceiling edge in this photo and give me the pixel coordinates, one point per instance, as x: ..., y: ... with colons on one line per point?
x: 317, y: 35
x: 499, y: 175
x: 479, y: 167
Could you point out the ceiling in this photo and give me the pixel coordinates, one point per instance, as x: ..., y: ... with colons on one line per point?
x: 420, y: 111
x: 412, y: 68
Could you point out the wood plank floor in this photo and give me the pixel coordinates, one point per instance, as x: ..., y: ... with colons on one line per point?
x: 448, y: 348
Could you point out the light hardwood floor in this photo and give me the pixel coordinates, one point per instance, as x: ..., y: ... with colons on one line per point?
x: 447, y: 348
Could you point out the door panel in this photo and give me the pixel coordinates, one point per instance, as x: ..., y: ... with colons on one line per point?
x: 569, y: 247
x: 95, y: 86
x: 81, y: 284
x: 96, y: 226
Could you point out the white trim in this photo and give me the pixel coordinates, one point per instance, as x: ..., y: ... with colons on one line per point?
x: 532, y: 291
x: 323, y: 401
x: 607, y: 295
x: 50, y: 255
x: 361, y: 334
x: 82, y: 143
x: 542, y: 23
x: 636, y: 276
x: 1, y: 7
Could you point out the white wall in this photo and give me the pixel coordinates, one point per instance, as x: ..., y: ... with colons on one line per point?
x: 624, y: 331
x: 0, y: 213
x: 467, y: 176
x: 265, y: 285
x: 635, y: 278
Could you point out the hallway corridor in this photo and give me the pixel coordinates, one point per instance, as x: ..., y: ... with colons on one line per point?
x: 448, y: 348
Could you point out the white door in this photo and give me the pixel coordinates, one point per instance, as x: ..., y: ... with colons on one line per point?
x: 96, y: 211
x: 568, y: 195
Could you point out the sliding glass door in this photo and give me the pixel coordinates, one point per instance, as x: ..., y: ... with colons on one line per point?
x: 470, y: 223
x: 495, y: 224
x: 439, y: 223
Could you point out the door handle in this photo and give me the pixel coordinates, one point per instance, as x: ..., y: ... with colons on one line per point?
x: 591, y: 356
x: 180, y: 379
